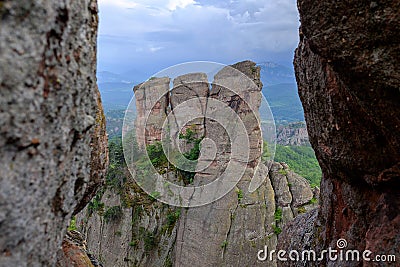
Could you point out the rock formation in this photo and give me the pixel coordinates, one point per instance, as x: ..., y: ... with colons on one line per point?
x: 74, y: 252
x: 227, y: 232
x: 151, y: 102
x: 53, y: 146
x: 149, y: 233
x: 293, y: 134
x: 347, y: 69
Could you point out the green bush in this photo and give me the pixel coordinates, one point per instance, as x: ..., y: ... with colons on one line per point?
x: 72, y: 224
x: 96, y: 205
x: 172, y: 217
x: 193, y: 154
x: 240, y: 195
x: 115, y: 177
x: 156, y: 155
x: 277, y: 229
x: 283, y: 171
x: 113, y: 214
x: 149, y: 240
x: 189, y: 135
x: 278, y: 215
x: 154, y: 195
x: 313, y: 201
x: 265, y: 153
x: 133, y: 243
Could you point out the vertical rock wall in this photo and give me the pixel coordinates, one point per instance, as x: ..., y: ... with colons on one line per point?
x: 53, y: 146
x: 347, y: 70
x: 227, y: 232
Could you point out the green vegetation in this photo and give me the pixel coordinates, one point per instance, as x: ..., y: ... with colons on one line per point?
x: 302, y: 160
x: 72, y: 224
x: 239, y: 194
x: 168, y: 262
x: 115, y: 178
x: 313, y: 201
x: 133, y: 243
x: 278, y: 215
x: 154, y: 195
x: 277, y: 229
x: 265, y: 153
x: 224, y: 244
x: 278, y: 218
x: 283, y: 171
x: 149, y: 240
x: 172, y: 217
x: 136, y: 214
x: 156, y: 155
x: 159, y: 160
x: 96, y: 205
x: 113, y: 214
x: 193, y: 154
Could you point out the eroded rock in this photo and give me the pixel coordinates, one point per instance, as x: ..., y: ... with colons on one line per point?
x: 348, y: 77
x: 52, y: 132
x: 227, y: 232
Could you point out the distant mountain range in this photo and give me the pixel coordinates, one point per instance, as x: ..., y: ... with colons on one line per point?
x: 272, y: 74
x: 279, y: 82
x: 280, y: 90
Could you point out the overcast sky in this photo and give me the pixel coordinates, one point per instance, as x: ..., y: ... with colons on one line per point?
x: 149, y: 35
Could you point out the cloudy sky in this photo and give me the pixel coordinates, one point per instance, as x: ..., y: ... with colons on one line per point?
x: 145, y: 36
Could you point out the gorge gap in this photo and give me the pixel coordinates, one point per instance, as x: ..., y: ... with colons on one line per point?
x: 54, y: 148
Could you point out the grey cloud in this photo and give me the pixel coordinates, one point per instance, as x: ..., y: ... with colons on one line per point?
x: 210, y: 30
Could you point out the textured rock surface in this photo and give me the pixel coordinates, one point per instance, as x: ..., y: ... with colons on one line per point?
x: 186, y: 87
x: 49, y: 104
x: 222, y: 221
x: 151, y: 105
x: 227, y: 232
x: 143, y: 234
x: 294, y: 134
x: 348, y: 77
x: 74, y: 252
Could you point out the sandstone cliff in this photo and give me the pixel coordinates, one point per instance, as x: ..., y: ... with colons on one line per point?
x: 347, y: 69
x: 126, y: 227
x: 53, y: 146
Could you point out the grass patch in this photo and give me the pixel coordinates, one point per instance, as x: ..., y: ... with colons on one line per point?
x: 72, y: 224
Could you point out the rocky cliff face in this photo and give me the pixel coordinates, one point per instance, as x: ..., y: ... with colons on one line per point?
x: 227, y: 232
x: 149, y: 233
x: 52, y: 133
x: 293, y: 134
x: 348, y: 76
